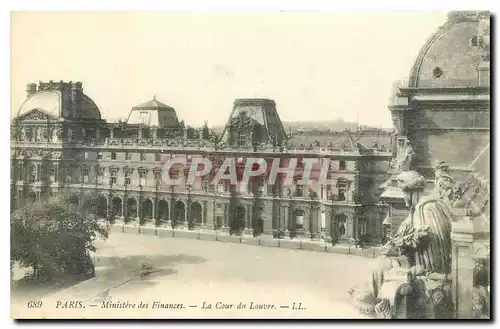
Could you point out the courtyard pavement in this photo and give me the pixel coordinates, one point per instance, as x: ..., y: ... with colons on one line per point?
x: 189, y: 274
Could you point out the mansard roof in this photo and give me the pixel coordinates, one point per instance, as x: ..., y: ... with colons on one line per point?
x: 153, y: 113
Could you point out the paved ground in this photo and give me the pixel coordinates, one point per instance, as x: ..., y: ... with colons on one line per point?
x: 192, y: 272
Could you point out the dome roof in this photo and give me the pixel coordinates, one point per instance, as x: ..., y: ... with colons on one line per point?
x: 153, y: 113
x: 451, y: 55
x: 57, y: 103
x: 48, y: 101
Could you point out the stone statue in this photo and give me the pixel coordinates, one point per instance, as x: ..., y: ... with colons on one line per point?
x: 416, y: 262
x: 403, y: 160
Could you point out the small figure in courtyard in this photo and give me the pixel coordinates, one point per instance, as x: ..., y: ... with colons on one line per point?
x: 146, y: 269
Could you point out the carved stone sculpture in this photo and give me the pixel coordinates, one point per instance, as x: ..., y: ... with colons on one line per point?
x: 416, y: 262
x: 404, y: 158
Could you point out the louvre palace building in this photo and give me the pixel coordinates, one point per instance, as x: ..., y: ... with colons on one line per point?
x: 60, y: 145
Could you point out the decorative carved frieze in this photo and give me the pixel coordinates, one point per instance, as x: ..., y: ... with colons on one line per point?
x: 35, y: 115
x: 85, y: 169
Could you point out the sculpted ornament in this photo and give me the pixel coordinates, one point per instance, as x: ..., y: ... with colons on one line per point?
x: 59, y: 132
x: 36, y: 115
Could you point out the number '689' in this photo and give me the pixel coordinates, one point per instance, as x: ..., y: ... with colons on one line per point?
x: 35, y: 304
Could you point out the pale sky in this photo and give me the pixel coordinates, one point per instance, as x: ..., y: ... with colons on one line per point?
x: 316, y: 66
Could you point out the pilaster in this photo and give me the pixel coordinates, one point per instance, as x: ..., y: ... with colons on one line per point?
x: 462, y: 271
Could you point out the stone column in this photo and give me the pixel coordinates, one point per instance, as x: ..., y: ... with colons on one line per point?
x: 140, y: 132
x: 314, y: 220
x: 355, y: 225
x: 204, y: 213
x: 111, y: 132
x: 462, y: 236
x: 153, y: 208
x: 154, y: 132
x: 350, y: 226
x: 286, y: 209
x: 307, y: 216
x: 186, y: 214
x: 124, y: 208
x: 248, y: 217
x: 328, y: 225
x: 97, y: 134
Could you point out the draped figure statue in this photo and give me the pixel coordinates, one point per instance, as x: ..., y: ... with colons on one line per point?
x: 421, y: 248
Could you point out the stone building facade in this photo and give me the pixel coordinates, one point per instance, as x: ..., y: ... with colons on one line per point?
x: 60, y: 145
x: 442, y: 112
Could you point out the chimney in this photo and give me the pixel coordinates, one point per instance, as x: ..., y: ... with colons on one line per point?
x: 76, y: 99
x: 30, y: 89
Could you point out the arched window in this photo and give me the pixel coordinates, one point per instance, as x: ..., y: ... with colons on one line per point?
x: 342, y: 224
x: 298, y: 216
x: 362, y: 226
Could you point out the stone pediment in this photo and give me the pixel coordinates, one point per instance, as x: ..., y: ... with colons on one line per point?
x: 35, y: 115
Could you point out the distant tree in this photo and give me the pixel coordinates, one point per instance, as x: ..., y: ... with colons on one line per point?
x: 191, y: 132
x: 213, y: 136
x: 54, y: 237
x: 205, y: 133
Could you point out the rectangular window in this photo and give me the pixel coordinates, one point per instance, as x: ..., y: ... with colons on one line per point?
x: 69, y: 175
x: 86, y: 155
x: 113, y: 178
x: 127, y: 178
x: 128, y: 156
x: 157, y: 177
x: 99, y: 155
x: 142, y: 179
x: 113, y: 155
x: 342, y: 165
x: 32, y: 177
x: 52, y: 174
x: 143, y: 156
x: 242, y: 139
x: 157, y: 157
x: 342, y: 189
x: 100, y: 177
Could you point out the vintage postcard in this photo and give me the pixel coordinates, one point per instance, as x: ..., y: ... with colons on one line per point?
x: 250, y: 165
